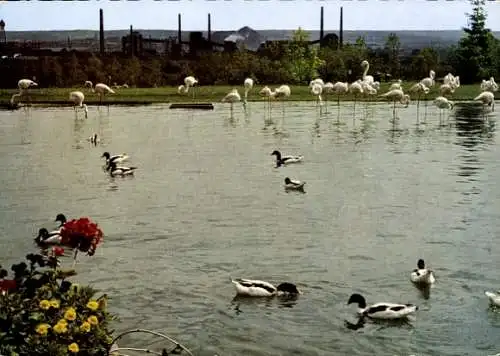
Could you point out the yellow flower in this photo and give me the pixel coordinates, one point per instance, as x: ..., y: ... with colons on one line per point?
x: 54, y: 303
x: 42, y: 329
x: 93, y: 305
x: 60, y: 328
x: 93, y: 320
x: 70, y: 314
x: 85, y: 327
x: 73, y: 347
x: 63, y: 322
x: 44, y: 304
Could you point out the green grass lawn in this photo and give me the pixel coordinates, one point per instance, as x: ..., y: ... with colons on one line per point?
x: 208, y: 94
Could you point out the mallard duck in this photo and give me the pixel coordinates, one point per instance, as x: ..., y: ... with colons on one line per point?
x: 292, y: 184
x: 494, y: 298
x: 115, y: 170
x: 283, y: 160
x: 256, y: 288
x: 422, y: 275
x: 116, y: 158
x: 48, y: 238
x: 382, y: 310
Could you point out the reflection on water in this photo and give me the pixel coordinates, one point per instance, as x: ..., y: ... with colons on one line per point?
x: 207, y: 202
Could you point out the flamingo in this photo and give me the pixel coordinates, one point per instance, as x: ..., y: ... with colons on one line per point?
x: 487, y: 98
x: 489, y: 85
x: 396, y: 85
x: 443, y: 103
x: 419, y: 89
x: 232, y: 97
x: 268, y: 93
x: 23, y: 85
x: 396, y: 95
x: 100, y: 88
x: 77, y: 98
x: 327, y: 89
x: 367, y: 78
x: 317, y: 90
x: 188, y: 83
x: 318, y: 81
x: 357, y: 89
x: 429, y: 81
x: 248, y: 84
x: 282, y: 92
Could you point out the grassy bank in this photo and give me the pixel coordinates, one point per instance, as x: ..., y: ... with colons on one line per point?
x: 205, y: 94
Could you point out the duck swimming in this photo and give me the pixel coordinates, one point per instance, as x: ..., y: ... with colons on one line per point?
x: 48, y: 238
x: 61, y: 218
x: 115, y: 170
x: 292, y: 184
x: 494, y: 298
x: 283, y: 160
x: 422, y: 275
x: 382, y: 310
x: 116, y: 158
x: 257, y: 288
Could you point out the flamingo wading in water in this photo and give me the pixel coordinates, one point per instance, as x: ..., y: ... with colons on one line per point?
x: 232, y: 97
x: 77, y: 98
x: 23, y: 85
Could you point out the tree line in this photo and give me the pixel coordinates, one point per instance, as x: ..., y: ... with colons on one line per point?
x: 476, y: 56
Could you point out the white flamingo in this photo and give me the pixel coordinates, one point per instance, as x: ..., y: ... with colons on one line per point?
x: 267, y: 93
x: 340, y: 88
x: 489, y: 85
x: 396, y: 95
x: 232, y: 97
x: 77, y: 98
x: 356, y: 89
x: 367, y: 78
x: 443, y: 103
x: 397, y: 85
x: 100, y: 88
x: 23, y: 85
x: 429, y: 81
x: 248, y: 84
x: 419, y: 89
x: 318, y: 81
x: 487, y: 98
x: 317, y: 90
x: 282, y: 92
x: 189, y: 82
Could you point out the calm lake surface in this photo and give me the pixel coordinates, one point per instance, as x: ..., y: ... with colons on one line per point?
x: 207, y: 204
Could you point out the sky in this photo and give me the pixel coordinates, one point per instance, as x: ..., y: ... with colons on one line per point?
x: 234, y: 14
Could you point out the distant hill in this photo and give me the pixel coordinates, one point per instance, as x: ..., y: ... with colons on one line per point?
x: 409, y: 39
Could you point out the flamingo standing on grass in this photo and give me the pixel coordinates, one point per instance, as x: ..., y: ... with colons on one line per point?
x: 100, y: 88
x: 189, y: 82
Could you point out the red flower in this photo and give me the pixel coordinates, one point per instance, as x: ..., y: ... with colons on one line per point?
x: 57, y: 251
x: 7, y: 284
x: 81, y: 234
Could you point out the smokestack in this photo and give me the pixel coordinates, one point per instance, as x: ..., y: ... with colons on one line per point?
x: 321, y: 25
x: 179, y: 31
x: 341, y: 28
x: 101, y: 31
x: 132, y: 42
x: 209, y: 29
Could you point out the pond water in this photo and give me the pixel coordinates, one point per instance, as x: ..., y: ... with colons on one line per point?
x: 207, y: 204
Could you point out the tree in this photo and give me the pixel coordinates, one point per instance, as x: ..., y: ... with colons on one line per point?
x: 474, y: 57
x: 393, y: 47
x: 301, y: 58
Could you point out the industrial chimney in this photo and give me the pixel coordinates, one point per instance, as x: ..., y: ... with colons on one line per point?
x: 341, y: 28
x: 101, y: 31
x: 321, y: 26
x: 179, y: 30
x: 209, y: 37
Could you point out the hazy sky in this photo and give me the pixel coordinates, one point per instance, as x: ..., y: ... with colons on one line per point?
x: 233, y: 14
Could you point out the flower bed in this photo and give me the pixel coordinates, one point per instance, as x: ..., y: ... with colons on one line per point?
x: 43, y: 313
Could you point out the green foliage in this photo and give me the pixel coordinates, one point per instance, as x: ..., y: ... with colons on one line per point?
x: 44, y: 314
x: 393, y: 48
x: 474, y: 58
x: 302, y: 60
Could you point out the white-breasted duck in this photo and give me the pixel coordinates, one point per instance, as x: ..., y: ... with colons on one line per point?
x: 257, y: 288
x: 293, y: 184
x: 422, y: 275
x: 382, y: 310
x: 285, y: 159
x: 115, y: 170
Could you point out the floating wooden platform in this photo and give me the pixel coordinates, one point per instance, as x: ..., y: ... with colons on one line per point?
x: 56, y: 103
x: 196, y: 106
